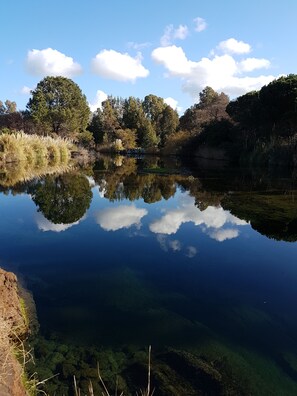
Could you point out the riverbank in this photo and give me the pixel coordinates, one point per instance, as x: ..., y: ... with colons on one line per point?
x: 14, y: 329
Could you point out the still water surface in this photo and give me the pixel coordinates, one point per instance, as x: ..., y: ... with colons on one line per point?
x: 199, y: 264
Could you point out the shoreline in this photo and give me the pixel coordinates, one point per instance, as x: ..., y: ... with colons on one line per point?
x: 17, y: 310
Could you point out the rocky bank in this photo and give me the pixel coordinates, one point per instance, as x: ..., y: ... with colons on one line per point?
x: 13, y: 329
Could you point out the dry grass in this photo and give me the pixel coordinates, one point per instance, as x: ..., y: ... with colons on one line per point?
x: 23, y: 157
x: 34, y: 149
x: 13, y: 355
x: 4, y: 348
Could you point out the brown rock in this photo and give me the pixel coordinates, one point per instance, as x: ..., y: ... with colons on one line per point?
x: 13, y: 327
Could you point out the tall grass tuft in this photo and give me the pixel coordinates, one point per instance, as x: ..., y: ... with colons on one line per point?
x: 34, y: 149
x: 23, y: 157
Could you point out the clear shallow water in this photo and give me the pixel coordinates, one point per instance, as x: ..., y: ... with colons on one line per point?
x: 132, y: 255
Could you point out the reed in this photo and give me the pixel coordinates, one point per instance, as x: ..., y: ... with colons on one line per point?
x: 24, y: 157
x: 34, y: 149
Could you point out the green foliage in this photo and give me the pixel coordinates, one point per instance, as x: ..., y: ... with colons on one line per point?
x: 137, y: 123
x: 176, y: 142
x: 6, y: 131
x: 272, y: 111
x: 163, y: 118
x: 58, y: 106
x: 169, y: 122
x: 85, y: 139
x: 278, y: 101
x: 258, y: 127
x: 134, y: 118
x: 96, y: 126
x: 153, y: 107
x: 245, y: 109
x: 133, y: 115
x: 128, y: 137
x: 207, y: 97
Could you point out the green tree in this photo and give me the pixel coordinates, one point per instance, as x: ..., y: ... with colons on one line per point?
x: 168, y: 124
x: 133, y: 113
x: 128, y: 137
x: 270, y: 113
x: 58, y: 105
x: 134, y: 118
x: 107, y: 120
x: 162, y: 117
x: 245, y: 109
x: 278, y: 101
x: 153, y: 107
x: 207, y: 97
x: 96, y: 126
x: 146, y: 134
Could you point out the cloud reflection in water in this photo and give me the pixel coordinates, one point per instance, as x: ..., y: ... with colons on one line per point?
x: 212, y: 220
x: 123, y: 216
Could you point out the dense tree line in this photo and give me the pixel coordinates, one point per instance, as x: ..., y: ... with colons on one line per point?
x: 58, y: 107
x: 258, y: 127
x: 147, y: 123
x: 260, y: 123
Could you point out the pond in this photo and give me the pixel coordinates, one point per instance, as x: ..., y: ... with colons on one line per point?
x: 199, y: 262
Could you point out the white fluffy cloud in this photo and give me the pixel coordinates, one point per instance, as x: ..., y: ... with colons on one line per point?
x: 50, y: 62
x: 173, y: 103
x: 200, y: 24
x: 211, y: 218
x: 118, y: 66
x: 171, y: 34
x: 250, y: 64
x: 101, y: 96
x: 124, y: 216
x: 233, y: 46
x: 222, y: 72
x: 174, y: 60
x: 45, y: 225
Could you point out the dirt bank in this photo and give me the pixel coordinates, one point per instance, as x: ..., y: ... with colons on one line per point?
x: 13, y: 329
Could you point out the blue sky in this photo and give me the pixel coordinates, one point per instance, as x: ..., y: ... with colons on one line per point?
x: 169, y: 48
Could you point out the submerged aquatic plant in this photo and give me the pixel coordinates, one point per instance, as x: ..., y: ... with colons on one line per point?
x: 143, y: 392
